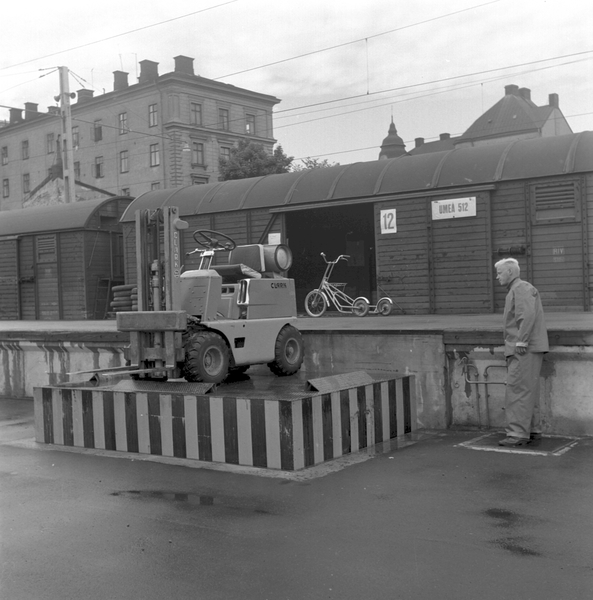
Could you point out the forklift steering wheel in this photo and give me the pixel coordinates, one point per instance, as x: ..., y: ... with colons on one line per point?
x: 208, y: 239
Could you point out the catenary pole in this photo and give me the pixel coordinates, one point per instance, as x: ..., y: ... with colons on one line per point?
x: 66, y: 138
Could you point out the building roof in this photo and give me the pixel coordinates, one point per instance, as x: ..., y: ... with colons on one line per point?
x: 434, y: 173
x: 52, y: 218
x: 514, y: 113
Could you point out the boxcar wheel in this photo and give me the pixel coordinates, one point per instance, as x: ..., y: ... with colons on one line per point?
x: 288, y: 352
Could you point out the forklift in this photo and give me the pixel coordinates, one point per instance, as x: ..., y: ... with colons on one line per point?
x: 213, y: 322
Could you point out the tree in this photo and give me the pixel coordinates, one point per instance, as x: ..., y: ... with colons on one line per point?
x: 313, y: 163
x: 250, y: 159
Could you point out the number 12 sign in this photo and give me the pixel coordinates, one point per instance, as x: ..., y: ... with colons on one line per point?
x: 388, y: 221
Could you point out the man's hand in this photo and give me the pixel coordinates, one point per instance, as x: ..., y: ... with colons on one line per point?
x: 520, y: 350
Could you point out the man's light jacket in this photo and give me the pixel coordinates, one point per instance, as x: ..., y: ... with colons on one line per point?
x: 524, y: 323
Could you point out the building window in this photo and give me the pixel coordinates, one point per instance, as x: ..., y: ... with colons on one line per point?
x: 197, y: 153
x: 97, y: 131
x: 26, y: 183
x: 155, y: 158
x: 75, y: 137
x: 99, y: 167
x: 5, y: 188
x: 123, y: 123
x: 125, y: 192
x: 4, y: 155
x: 153, y: 115
x: 77, y: 169
x: 25, y: 149
x: 50, y: 143
x: 155, y: 186
x: 225, y: 152
x: 250, y: 124
x: 195, y: 110
x: 123, y: 161
x: 199, y: 180
x: 223, y: 119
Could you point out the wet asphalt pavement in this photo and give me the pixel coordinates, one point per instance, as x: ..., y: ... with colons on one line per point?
x: 432, y: 520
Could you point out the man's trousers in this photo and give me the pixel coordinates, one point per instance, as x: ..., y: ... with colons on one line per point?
x: 522, y: 394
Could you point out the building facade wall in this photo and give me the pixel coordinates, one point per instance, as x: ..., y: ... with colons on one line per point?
x: 164, y: 133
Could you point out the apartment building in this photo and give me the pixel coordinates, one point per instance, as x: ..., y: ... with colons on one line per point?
x: 164, y: 131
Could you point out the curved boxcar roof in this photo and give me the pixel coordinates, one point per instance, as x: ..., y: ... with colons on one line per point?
x: 461, y: 167
x: 54, y: 217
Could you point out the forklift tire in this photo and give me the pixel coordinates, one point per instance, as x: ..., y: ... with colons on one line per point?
x: 288, y: 352
x: 206, y: 358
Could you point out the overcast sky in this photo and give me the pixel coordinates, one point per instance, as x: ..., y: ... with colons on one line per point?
x: 340, y: 68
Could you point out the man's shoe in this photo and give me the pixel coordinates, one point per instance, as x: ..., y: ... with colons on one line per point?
x: 512, y: 442
x: 535, y: 435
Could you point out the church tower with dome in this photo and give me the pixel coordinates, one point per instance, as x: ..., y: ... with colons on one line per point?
x: 392, y: 146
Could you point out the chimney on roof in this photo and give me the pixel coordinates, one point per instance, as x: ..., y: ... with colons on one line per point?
x: 525, y: 93
x: 31, y: 110
x: 16, y: 115
x: 511, y: 90
x: 84, y: 96
x: 120, y: 80
x: 553, y: 100
x: 418, y: 142
x: 53, y: 110
x: 184, y: 64
x: 149, y: 71
x: 445, y: 136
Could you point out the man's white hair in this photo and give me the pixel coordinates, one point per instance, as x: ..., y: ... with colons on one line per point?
x: 509, y: 262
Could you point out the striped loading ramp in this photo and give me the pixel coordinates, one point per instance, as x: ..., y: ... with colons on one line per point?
x: 295, y: 431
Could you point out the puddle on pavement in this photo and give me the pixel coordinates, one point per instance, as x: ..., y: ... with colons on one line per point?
x: 167, y: 496
x: 187, y: 500
x: 507, y: 519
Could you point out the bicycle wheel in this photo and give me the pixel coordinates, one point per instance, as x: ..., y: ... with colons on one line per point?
x: 360, y: 307
x: 315, y: 303
x: 385, y: 306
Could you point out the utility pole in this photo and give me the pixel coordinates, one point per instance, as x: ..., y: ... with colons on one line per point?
x: 66, y: 146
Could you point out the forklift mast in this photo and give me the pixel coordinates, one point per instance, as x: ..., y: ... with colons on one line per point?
x: 155, y: 329
x: 158, y: 258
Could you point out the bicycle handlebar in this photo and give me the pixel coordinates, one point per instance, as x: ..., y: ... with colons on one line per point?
x: 341, y: 257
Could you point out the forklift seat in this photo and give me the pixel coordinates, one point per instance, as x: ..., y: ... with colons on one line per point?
x: 234, y: 273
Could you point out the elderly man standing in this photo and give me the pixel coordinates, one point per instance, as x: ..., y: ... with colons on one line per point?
x: 525, y: 343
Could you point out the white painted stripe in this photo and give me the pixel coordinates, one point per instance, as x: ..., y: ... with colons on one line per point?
x: 166, y: 424
x: 336, y: 424
x: 98, y: 420
x: 217, y: 429
x: 354, y: 435
x: 317, y: 429
x: 57, y: 416
x: 119, y: 409
x: 272, y: 412
x: 191, y: 427
x: 399, y: 403
x: 245, y: 442
x: 143, y: 425
x: 298, y: 447
x: 38, y: 415
x: 370, y: 414
x: 385, y: 409
x: 77, y: 428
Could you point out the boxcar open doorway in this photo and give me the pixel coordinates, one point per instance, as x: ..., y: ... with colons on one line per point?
x: 340, y: 230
